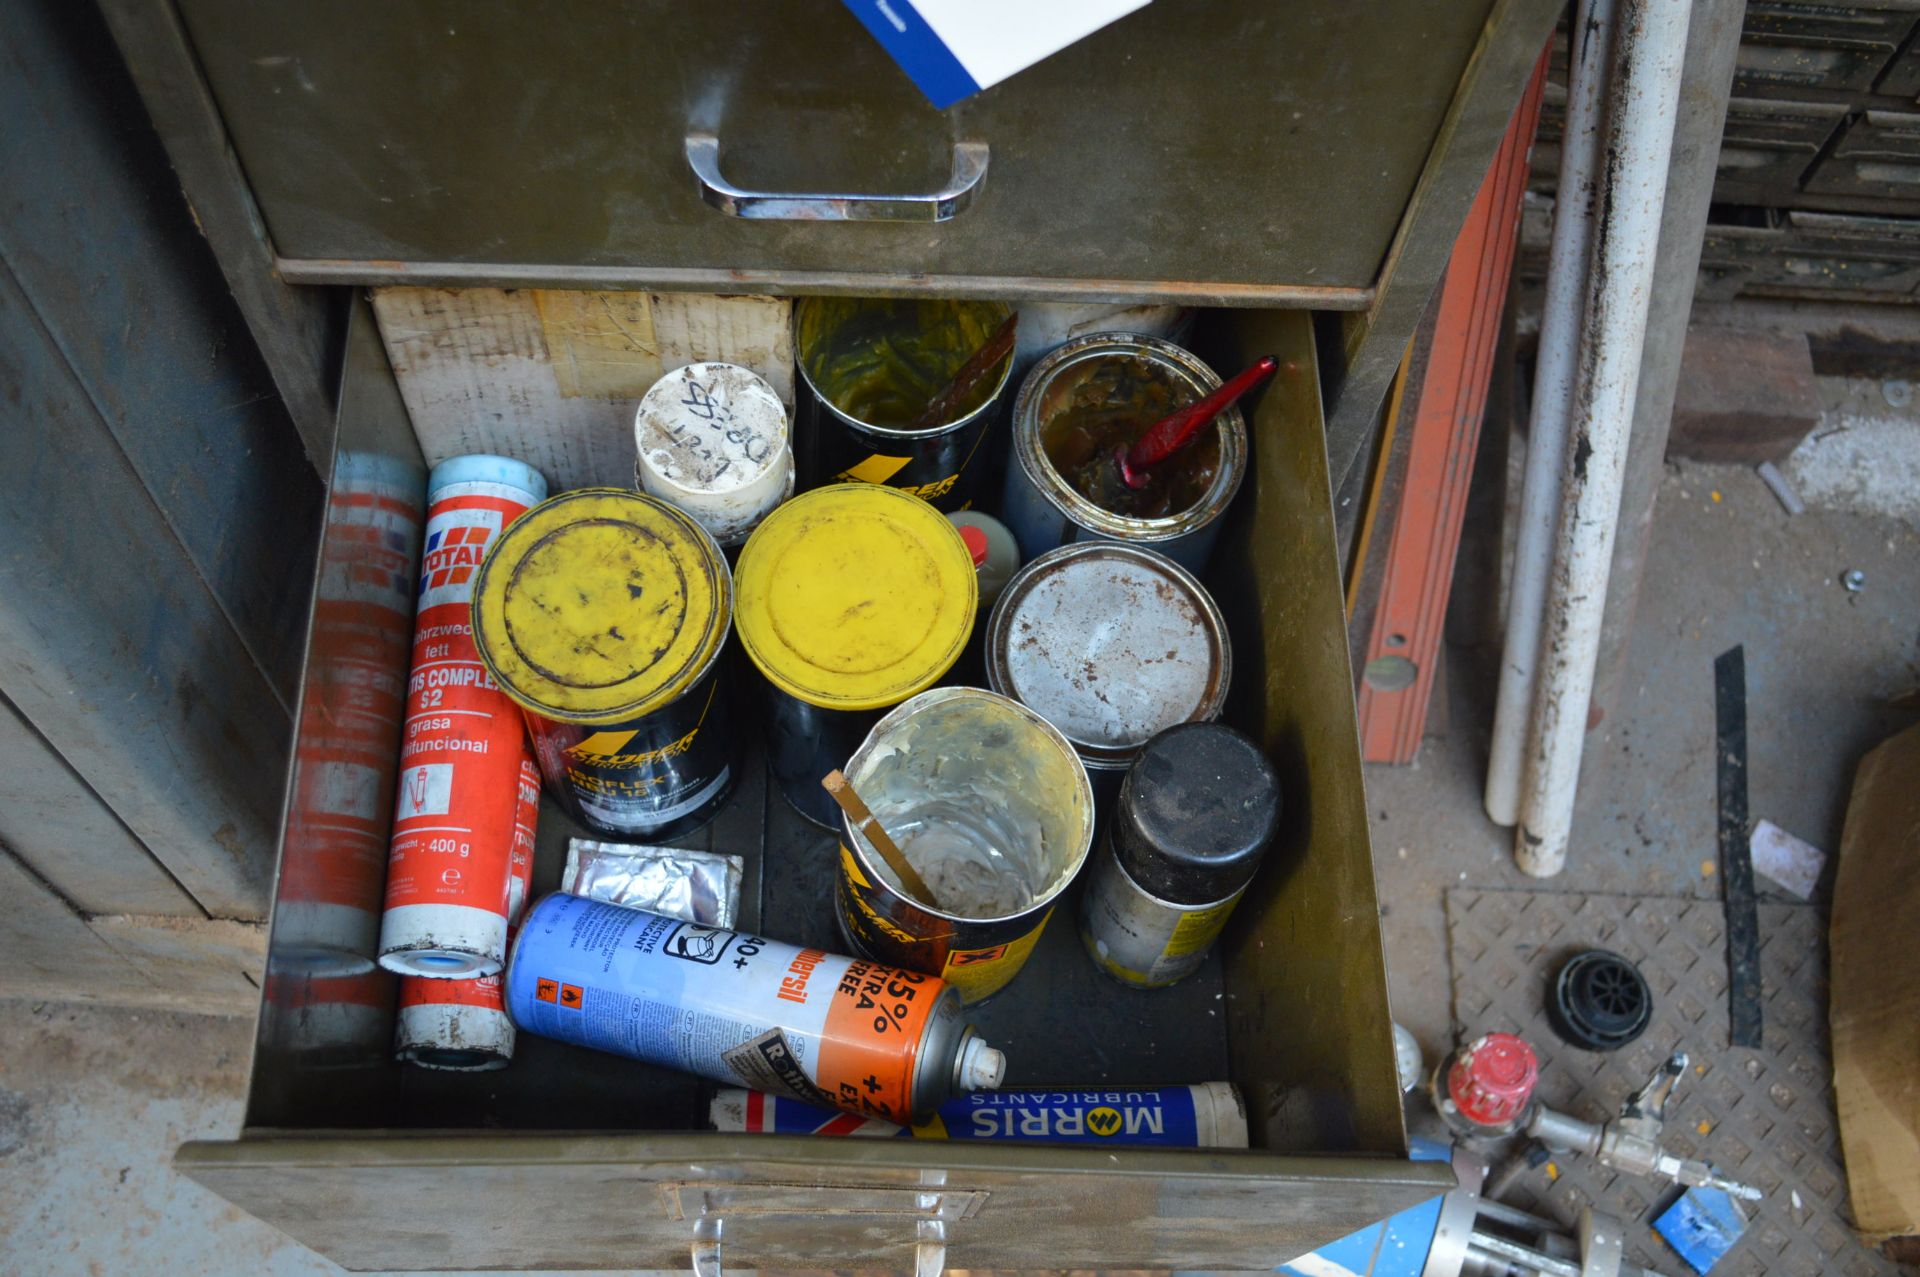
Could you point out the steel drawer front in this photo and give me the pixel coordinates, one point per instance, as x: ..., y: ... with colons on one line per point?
x: 569, y: 1158
x: 1189, y: 151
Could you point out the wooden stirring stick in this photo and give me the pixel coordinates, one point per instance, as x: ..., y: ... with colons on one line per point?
x: 955, y: 392
x: 863, y: 819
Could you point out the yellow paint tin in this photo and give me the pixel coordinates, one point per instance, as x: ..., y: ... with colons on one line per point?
x: 602, y: 613
x: 851, y: 599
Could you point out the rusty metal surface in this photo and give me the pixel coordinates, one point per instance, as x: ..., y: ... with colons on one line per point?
x: 1763, y: 1116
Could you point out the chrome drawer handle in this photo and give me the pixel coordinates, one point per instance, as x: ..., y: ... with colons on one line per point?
x: 928, y: 1208
x: 929, y: 1247
x: 969, y: 171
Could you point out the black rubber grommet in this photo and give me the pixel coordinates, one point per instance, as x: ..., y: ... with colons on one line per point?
x: 1599, y: 1001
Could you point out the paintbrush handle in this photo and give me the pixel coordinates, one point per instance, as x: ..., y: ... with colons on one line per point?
x: 837, y: 784
x: 941, y: 406
x: 1174, y: 431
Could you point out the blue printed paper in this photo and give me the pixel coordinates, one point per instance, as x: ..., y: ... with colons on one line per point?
x: 952, y: 49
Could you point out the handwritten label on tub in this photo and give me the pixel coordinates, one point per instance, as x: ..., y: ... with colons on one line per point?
x: 952, y: 49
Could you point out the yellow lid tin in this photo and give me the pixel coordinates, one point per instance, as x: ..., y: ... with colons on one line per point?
x: 600, y: 606
x: 855, y: 596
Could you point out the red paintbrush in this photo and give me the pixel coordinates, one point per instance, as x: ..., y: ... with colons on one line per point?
x: 1176, y: 430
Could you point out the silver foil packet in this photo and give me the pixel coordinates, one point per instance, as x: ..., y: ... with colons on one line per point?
x: 695, y: 886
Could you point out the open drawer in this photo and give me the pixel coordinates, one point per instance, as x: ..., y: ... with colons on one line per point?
x: 570, y: 1159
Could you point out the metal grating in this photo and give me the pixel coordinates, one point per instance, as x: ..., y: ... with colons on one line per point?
x: 1765, y: 1116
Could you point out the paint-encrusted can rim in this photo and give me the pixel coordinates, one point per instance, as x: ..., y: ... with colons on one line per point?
x: 1082, y: 800
x: 1030, y: 454
x: 701, y: 571
x: 987, y: 405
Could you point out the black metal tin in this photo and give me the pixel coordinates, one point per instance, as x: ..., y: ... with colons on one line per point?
x: 658, y: 776
x: 804, y: 743
x: 941, y: 465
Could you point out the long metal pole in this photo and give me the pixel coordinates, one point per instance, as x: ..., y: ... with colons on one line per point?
x: 1560, y: 323
x: 1713, y: 44
x: 1650, y: 48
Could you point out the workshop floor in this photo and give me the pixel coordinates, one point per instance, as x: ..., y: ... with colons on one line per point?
x: 93, y: 1101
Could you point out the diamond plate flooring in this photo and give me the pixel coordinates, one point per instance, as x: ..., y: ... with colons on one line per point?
x: 1764, y: 1116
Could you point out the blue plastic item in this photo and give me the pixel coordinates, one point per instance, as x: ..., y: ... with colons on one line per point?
x: 1702, y: 1226
x: 1395, y: 1247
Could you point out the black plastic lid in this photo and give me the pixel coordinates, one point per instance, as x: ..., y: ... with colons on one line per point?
x: 1196, y: 812
x: 1600, y: 1001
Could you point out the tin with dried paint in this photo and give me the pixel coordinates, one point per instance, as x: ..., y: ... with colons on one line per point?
x: 1110, y: 643
x: 712, y: 439
x: 869, y: 366
x: 604, y: 614
x: 1194, y: 818
x: 1151, y: 378
x: 851, y: 599
x: 991, y: 806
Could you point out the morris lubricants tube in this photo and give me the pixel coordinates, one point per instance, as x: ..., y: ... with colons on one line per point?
x: 744, y: 1010
x: 449, y: 871
x: 1206, y: 1116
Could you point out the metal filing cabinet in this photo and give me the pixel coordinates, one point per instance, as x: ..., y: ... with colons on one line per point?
x: 1272, y: 159
x: 1238, y: 153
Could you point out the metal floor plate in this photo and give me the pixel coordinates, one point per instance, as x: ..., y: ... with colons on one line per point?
x: 1764, y: 1116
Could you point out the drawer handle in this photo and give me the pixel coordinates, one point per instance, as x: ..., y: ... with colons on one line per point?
x: 928, y: 1209
x: 969, y: 171
x: 929, y: 1248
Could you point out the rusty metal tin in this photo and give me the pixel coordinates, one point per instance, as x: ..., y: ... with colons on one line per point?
x: 835, y: 444
x: 604, y: 614
x: 1112, y: 644
x: 1045, y: 511
x: 951, y: 773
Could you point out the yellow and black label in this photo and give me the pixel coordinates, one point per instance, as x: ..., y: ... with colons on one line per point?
x: 882, y: 469
x: 979, y: 972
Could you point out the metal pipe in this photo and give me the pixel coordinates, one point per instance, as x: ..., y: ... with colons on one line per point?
x: 1650, y: 45
x: 1560, y: 324
x: 1706, y: 83
x: 1525, y: 1258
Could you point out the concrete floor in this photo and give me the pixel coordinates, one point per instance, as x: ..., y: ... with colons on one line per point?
x: 1731, y: 567
x: 93, y: 1101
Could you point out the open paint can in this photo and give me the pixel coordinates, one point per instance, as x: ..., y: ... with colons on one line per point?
x: 1077, y: 398
x: 870, y: 366
x: 991, y: 806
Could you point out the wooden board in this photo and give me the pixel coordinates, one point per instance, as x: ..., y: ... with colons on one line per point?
x: 179, y: 964
x: 50, y: 952
x: 298, y: 329
x: 552, y: 377
x: 1875, y: 1003
x: 112, y: 646
x: 211, y: 965
x: 67, y: 836
x: 108, y: 253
